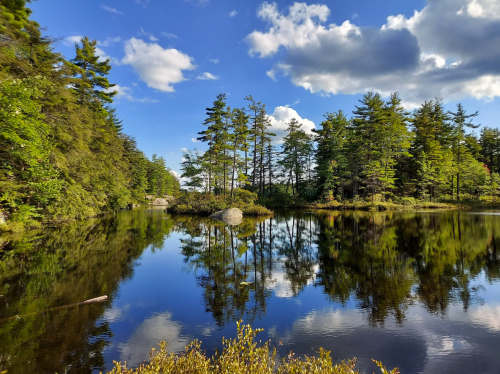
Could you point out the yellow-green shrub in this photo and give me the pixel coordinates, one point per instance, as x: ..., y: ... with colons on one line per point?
x: 240, y: 355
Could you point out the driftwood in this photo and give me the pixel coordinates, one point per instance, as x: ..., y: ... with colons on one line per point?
x: 99, y: 299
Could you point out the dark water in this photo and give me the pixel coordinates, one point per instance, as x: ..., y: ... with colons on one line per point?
x: 418, y: 291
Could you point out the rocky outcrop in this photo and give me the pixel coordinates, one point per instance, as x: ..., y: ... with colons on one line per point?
x: 169, y: 198
x: 159, y: 201
x: 133, y: 206
x: 3, y: 217
x: 149, y: 197
x: 232, y: 216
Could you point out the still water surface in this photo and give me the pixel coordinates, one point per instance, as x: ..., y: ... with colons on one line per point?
x: 419, y: 291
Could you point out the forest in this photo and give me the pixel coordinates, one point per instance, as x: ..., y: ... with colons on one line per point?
x: 63, y: 152
x: 381, y: 153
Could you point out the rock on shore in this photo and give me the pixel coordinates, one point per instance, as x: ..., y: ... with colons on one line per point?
x: 231, y: 216
x: 159, y: 201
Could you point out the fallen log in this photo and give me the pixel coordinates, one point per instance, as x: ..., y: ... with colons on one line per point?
x: 99, y: 299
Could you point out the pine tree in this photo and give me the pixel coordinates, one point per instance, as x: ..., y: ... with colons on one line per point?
x: 367, y: 124
x: 215, y: 136
x: 331, y: 155
x: 297, y: 145
x: 461, y: 120
x: 90, y: 82
x: 239, y: 136
x: 490, y: 148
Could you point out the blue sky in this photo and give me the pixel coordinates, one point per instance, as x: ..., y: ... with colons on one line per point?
x: 171, y: 58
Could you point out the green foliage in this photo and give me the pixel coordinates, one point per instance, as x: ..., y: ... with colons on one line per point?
x: 206, y: 204
x: 242, y: 354
x: 62, y: 151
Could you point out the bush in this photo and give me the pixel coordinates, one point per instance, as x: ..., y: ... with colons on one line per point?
x: 206, y: 204
x: 240, y: 355
x: 407, y: 201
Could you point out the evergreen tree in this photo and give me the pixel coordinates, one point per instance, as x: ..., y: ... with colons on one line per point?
x: 331, y: 155
x: 490, y: 148
x: 215, y: 136
x: 297, y: 145
x: 461, y: 121
x: 367, y: 124
x: 240, y: 131
x: 90, y: 82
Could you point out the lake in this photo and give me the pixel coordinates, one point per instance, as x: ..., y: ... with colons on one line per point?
x: 419, y: 291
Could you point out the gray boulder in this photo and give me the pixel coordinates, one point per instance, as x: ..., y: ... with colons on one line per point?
x: 169, y: 198
x: 149, y: 197
x: 3, y: 217
x: 159, y: 201
x: 231, y: 216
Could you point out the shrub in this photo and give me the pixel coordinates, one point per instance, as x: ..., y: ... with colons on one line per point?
x: 206, y: 204
x: 240, y: 355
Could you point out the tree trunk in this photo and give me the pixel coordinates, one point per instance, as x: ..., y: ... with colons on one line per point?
x: 234, y: 167
x: 225, y: 165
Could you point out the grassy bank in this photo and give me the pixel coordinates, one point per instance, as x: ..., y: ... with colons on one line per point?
x: 240, y: 355
x: 206, y: 204
x: 375, y: 205
x: 382, y: 206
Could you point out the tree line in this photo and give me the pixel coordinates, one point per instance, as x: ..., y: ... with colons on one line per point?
x: 63, y: 152
x: 381, y: 152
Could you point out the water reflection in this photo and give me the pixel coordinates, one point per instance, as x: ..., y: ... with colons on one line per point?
x: 418, y: 291
x: 386, y: 262
x: 67, y: 265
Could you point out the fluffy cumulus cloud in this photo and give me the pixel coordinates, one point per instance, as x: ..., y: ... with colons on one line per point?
x: 450, y: 48
x: 159, y: 68
x: 280, y: 118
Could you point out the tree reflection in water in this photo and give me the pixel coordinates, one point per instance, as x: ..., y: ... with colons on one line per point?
x: 384, y: 261
x: 381, y: 262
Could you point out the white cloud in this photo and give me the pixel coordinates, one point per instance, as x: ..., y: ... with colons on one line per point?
x: 108, y: 41
x: 215, y: 60
x: 125, y: 93
x: 233, y: 13
x: 102, y: 55
x: 446, y: 49
x: 482, y: 9
x: 295, y: 30
x: 280, y: 118
x: 169, y: 35
x: 207, y: 76
x: 194, y: 140
x: 271, y: 74
x: 150, y: 36
x: 159, y: 68
x: 71, y: 40
x: 110, y: 9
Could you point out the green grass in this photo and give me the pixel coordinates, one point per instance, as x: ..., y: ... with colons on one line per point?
x: 382, y: 206
x: 241, y: 355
